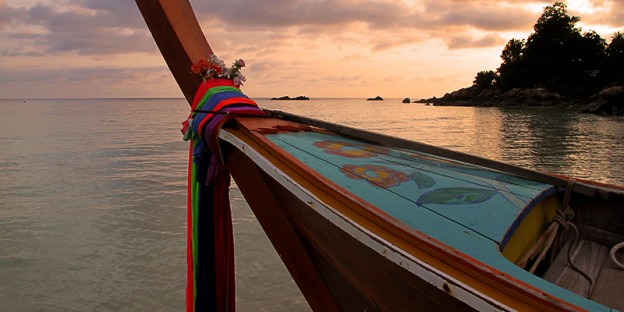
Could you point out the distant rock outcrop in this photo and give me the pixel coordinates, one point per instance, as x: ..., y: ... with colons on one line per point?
x: 377, y: 98
x: 288, y: 98
x: 406, y: 100
x: 493, y: 96
x: 609, y: 101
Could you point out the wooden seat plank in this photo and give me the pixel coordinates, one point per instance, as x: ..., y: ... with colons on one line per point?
x: 587, y: 256
x: 609, y: 288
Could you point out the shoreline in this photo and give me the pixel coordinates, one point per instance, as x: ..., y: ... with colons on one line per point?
x: 609, y: 101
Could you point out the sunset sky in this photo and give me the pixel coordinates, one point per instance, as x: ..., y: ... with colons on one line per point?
x: 318, y: 48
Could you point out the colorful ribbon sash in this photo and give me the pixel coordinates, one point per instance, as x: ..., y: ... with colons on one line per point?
x: 210, y: 242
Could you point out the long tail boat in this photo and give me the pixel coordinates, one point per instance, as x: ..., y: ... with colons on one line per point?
x: 368, y: 222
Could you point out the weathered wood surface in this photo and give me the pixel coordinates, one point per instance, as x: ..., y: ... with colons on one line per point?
x: 587, y: 256
x: 592, y: 258
x: 609, y: 288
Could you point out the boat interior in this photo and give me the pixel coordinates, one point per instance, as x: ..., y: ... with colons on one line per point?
x: 578, y: 247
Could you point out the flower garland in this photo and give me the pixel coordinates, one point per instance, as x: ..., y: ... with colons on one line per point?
x: 213, y: 68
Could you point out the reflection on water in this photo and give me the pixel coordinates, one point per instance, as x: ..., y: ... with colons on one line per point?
x: 580, y: 145
x: 93, y: 192
x: 91, y: 206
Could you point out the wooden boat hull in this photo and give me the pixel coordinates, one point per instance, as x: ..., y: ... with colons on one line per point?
x: 358, y: 277
x: 345, y: 255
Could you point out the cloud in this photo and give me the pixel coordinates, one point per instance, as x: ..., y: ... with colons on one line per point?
x: 288, y: 13
x: 6, y: 15
x: 609, y: 13
x: 317, y: 39
x: 461, y: 42
x: 377, y: 15
x: 87, y: 82
x: 115, y: 26
x: 381, y: 24
x: 488, y: 17
x: 262, y: 67
x: 93, y: 27
x: 82, y: 74
x: 87, y: 28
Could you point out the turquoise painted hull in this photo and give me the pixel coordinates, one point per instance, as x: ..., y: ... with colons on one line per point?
x: 471, y: 209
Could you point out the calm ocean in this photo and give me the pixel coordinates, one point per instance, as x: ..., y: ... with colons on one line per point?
x: 93, y: 191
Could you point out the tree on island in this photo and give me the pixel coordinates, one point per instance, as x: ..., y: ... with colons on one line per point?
x: 613, y: 70
x: 485, y: 79
x: 558, y: 57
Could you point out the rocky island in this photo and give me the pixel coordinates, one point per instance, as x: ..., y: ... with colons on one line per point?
x: 287, y: 98
x: 557, y: 65
x: 608, y: 101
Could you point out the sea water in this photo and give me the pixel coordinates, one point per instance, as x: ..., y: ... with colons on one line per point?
x: 93, y: 191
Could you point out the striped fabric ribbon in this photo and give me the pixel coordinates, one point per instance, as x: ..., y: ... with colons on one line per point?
x: 210, y: 243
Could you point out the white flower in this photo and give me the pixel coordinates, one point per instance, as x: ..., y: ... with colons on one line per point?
x: 214, y: 59
x: 238, y: 81
x: 213, y: 67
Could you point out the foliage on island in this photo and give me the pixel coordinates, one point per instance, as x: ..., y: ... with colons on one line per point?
x: 559, y: 57
x: 558, y: 64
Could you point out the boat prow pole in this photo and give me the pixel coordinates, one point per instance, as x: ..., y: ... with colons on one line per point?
x: 179, y: 37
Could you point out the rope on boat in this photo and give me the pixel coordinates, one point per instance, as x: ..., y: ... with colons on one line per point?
x: 563, y: 217
x: 552, y: 234
x: 612, y: 254
x: 561, y: 220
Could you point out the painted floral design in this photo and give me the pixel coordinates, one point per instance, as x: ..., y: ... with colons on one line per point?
x: 456, y: 196
x: 422, y: 180
x: 376, y: 175
x: 350, y: 150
